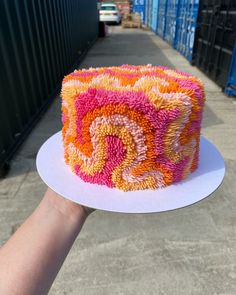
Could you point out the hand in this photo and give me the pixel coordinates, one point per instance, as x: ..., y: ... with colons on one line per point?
x: 32, y: 257
x: 87, y: 210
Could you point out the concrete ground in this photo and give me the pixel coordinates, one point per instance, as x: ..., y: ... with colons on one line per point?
x: 187, y: 251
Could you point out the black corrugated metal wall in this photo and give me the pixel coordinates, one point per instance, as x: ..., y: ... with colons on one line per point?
x: 215, y: 38
x: 40, y: 40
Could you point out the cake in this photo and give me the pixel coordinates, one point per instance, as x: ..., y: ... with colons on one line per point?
x: 132, y: 127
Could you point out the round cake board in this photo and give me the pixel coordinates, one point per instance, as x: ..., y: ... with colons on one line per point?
x: 199, y: 185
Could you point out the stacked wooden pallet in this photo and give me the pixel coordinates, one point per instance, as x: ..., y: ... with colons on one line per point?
x: 132, y: 20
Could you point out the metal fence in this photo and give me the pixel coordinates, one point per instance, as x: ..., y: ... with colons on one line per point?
x: 40, y: 42
x: 204, y: 31
x: 215, y: 38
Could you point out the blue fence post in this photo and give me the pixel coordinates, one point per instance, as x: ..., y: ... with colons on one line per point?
x: 231, y: 83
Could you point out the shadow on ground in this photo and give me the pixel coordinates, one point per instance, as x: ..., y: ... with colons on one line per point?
x: 210, y: 118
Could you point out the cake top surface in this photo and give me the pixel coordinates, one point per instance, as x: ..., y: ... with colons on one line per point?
x: 158, y: 82
x: 132, y: 73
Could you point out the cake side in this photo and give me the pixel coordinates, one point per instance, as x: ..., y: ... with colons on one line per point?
x: 132, y: 127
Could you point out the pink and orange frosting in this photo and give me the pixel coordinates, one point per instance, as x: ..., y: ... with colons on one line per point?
x: 132, y: 127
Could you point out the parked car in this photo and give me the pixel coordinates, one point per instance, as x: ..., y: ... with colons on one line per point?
x: 109, y: 12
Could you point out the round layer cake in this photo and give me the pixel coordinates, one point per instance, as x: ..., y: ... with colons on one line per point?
x: 132, y: 127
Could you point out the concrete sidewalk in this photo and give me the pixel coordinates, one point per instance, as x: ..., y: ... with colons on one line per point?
x: 187, y: 251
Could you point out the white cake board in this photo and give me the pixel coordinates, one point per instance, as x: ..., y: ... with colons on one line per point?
x: 199, y: 185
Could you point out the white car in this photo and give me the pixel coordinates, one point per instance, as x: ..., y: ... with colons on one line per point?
x: 109, y: 13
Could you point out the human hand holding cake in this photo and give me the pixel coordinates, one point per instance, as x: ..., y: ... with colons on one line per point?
x: 132, y: 127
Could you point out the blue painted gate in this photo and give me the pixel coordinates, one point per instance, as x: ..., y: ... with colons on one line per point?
x: 231, y: 83
x: 148, y: 13
x: 154, y: 15
x: 187, y: 22
x: 171, y: 26
x: 161, y: 21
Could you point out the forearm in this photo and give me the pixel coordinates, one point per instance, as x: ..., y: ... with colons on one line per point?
x: 31, y: 259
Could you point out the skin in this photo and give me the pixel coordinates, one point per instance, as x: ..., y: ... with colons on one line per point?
x: 32, y: 257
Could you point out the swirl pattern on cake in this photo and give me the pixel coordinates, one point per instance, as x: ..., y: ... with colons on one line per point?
x: 132, y: 127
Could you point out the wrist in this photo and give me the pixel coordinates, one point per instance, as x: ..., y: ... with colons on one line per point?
x: 68, y: 209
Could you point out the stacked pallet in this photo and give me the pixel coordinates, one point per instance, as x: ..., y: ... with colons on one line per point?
x: 132, y: 20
